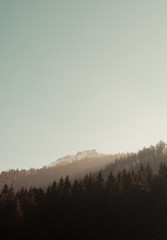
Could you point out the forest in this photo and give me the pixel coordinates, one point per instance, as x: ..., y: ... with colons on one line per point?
x: 42, y: 177
x: 130, y: 203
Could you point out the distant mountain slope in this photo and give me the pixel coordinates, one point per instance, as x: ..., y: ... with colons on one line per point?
x: 79, y: 156
x: 77, y: 166
x: 154, y: 156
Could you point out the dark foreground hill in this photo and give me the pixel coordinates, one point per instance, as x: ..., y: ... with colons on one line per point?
x: 131, y: 205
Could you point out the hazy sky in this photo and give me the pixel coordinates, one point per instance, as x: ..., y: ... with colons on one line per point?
x: 80, y: 74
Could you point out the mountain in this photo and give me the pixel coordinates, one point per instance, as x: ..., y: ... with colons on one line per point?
x: 77, y: 157
x: 126, y: 199
x: 83, y: 163
x: 75, y: 166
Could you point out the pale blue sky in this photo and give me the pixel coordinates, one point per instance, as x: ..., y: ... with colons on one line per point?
x: 80, y: 74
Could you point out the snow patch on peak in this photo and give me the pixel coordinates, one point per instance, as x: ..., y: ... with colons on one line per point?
x: 79, y: 156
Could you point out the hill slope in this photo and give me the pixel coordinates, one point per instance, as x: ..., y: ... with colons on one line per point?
x: 83, y: 163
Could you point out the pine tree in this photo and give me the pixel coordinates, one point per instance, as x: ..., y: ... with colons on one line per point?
x: 99, y: 182
x: 110, y: 184
x: 54, y: 187
x: 149, y: 174
x: 61, y: 186
x: 88, y: 183
x: 126, y: 180
x: 67, y: 186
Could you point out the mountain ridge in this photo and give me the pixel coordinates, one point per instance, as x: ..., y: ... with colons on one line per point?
x: 77, y: 169
x: 77, y: 157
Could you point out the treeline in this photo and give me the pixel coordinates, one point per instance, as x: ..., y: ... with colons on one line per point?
x: 154, y: 155
x: 78, y: 169
x: 128, y: 205
x: 44, y: 176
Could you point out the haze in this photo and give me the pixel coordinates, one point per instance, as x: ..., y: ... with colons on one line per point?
x: 77, y: 75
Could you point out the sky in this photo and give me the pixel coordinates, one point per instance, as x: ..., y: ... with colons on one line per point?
x: 78, y: 75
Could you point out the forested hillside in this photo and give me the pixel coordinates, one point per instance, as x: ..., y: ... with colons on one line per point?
x: 153, y: 155
x: 44, y: 176
x: 130, y: 205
